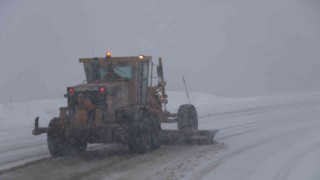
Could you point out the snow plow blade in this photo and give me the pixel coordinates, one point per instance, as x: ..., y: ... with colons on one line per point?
x: 203, y: 137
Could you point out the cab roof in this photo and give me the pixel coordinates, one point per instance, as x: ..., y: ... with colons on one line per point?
x: 116, y: 59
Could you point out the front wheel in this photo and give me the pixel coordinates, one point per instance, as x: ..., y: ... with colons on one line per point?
x: 187, y: 117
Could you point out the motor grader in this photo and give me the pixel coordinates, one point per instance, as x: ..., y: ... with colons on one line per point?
x: 119, y: 103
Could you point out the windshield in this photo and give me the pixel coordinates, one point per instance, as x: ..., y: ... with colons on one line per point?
x: 108, y: 73
x: 115, y: 73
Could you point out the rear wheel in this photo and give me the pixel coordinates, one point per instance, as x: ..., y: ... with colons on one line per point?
x: 139, y: 140
x: 77, y: 140
x: 155, y: 127
x: 144, y: 132
x: 187, y: 117
x: 59, y: 144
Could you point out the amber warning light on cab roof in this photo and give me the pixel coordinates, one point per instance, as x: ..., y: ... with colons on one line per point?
x: 108, y: 54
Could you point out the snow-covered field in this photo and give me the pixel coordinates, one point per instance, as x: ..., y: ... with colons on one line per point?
x: 272, y: 137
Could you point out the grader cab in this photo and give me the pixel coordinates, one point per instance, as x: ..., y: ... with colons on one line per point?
x: 118, y: 103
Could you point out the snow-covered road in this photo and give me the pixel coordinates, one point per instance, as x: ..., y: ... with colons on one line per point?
x: 281, y: 142
x: 274, y: 137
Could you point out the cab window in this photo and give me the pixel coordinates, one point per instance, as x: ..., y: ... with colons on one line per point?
x: 115, y: 73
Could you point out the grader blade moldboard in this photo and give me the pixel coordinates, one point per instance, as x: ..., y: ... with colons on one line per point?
x: 187, y: 136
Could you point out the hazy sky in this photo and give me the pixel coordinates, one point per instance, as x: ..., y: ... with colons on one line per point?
x: 228, y: 48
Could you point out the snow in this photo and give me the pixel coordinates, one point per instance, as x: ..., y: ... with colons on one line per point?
x: 278, y: 139
x: 16, y: 125
x: 271, y: 137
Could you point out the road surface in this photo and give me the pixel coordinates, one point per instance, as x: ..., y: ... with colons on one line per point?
x: 272, y: 141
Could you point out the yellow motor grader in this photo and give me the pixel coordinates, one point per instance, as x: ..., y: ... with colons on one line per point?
x: 118, y: 103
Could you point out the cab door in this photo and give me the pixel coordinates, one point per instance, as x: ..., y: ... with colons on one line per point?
x: 144, y: 74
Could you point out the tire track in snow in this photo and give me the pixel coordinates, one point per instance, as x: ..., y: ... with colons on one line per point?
x: 169, y: 161
x: 247, y: 128
x: 21, y: 160
x: 241, y: 126
x: 20, y: 146
x: 258, y: 110
x: 284, y: 173
x: 216, y: 163
x: 239, y: 133
x: 16, y: 154
x: 23, y: 157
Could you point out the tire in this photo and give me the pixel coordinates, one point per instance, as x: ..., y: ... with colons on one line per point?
x: 144, y: 133
x: 155, y: 128
x: 57, y: 141
x: 139, y: 140
x: 77, y: 140
x: 187, y: 117
x: 61, y: 145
